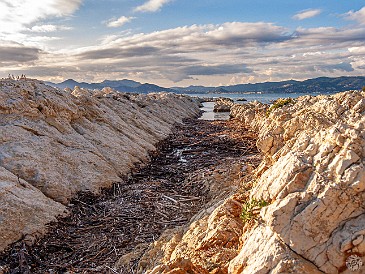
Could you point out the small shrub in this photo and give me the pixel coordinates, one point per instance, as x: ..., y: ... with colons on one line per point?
x: 251, y: 209
x: 279, y: 103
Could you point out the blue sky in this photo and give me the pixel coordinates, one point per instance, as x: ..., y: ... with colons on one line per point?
x: 181, y: 43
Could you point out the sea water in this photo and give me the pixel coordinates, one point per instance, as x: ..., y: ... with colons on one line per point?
x: 210, y: 115
x: 265, y: 98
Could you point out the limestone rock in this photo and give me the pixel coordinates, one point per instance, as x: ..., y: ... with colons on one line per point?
x: 223, y: 105
x: 312, y: 176
x: 24, y: 209
x: 264, y: 252
x: 209, y: 243
x: 63, y: 142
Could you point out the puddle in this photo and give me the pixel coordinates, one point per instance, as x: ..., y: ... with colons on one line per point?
x: 209, y: 115
x: 180, y: 154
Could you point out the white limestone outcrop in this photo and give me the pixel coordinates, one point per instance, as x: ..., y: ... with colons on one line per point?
x: 313, y: 178
x: 55, y: 143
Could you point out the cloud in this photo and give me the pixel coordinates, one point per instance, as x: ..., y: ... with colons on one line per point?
x: 195, y: 38
x: 358, y: 16
x: 114, y: 23
x: 343, y: 66
x: 211, y: 53
x: 186, y: 72
x: 357, y: 50
x: 123, y: 52
x: 260, y: 51
x: 17, y: 15
x: 183, y: 52
x: 217, y: 69
x: 14, y: 53
x: 305, y: 14
x: 152, y: 5
x: 327, y: 35
x: 49, y: 28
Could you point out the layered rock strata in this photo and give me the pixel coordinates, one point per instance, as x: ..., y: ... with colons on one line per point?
x: 54, y: 144
x: 313, y: 179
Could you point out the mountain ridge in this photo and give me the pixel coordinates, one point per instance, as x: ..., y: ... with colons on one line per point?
x: 313, y: 85
x: 124, y: 85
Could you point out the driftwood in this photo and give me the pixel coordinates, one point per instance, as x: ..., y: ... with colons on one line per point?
x: 161, y: 195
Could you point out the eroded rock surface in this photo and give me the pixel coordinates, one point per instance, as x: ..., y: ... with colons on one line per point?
x: 55, y: 143
x: 313, y: 178
x: 223, y: 105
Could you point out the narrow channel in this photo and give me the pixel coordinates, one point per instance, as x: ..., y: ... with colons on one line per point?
x: 134, y: 212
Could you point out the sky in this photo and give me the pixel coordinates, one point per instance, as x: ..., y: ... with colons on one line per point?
x: 182, y: 42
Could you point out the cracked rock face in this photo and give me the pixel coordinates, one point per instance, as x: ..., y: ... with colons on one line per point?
x: 55, y: 143
x: 312, y: 176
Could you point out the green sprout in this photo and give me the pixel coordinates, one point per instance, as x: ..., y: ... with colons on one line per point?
x: 251, y: 209
x: 279, y: 103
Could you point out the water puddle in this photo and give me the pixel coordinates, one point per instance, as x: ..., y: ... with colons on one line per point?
x: 209, y: 115
x: 179, y: 153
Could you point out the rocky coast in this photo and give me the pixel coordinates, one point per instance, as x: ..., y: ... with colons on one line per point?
x: 302, y: 211
x: 276, y: 189
x: 54, y: 144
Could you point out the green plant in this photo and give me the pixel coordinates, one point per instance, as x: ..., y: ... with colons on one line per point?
x: 251, y: 209
x: 279, y: 103
x: 363, y: 88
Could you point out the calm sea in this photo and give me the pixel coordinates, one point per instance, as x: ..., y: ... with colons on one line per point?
x: 252, y: 96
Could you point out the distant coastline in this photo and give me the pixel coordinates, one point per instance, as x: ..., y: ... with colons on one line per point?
x: 320, y: 85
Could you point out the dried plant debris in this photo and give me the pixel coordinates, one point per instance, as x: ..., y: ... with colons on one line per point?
x: 164, y: 194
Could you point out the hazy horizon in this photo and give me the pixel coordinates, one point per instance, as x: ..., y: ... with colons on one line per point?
x: 284, y: 80
x: 182, y: 43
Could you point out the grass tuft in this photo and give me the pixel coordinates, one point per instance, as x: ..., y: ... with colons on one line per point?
x: 251, y: 209
x: 279, y: 103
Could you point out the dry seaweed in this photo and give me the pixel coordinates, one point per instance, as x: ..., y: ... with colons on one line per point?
x: 161, y: 195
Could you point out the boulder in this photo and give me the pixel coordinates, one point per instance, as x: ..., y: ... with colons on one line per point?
x: 222, y: 105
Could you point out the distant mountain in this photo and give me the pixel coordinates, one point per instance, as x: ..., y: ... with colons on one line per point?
x: 119, y: 85
x: 316, y: 85
x: 194, y: 89
x: 68, y: 84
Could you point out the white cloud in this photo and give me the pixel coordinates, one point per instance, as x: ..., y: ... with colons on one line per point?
x: 252, y: 51
x: 358, y: 16
x: 114, y: 23
x: 152, y: 5
x: 213, y: 54
x: 188, y: 40
x: 305, y: 14
x: 16, y: 15
x: 357, y: 50
x: 49, y: 28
